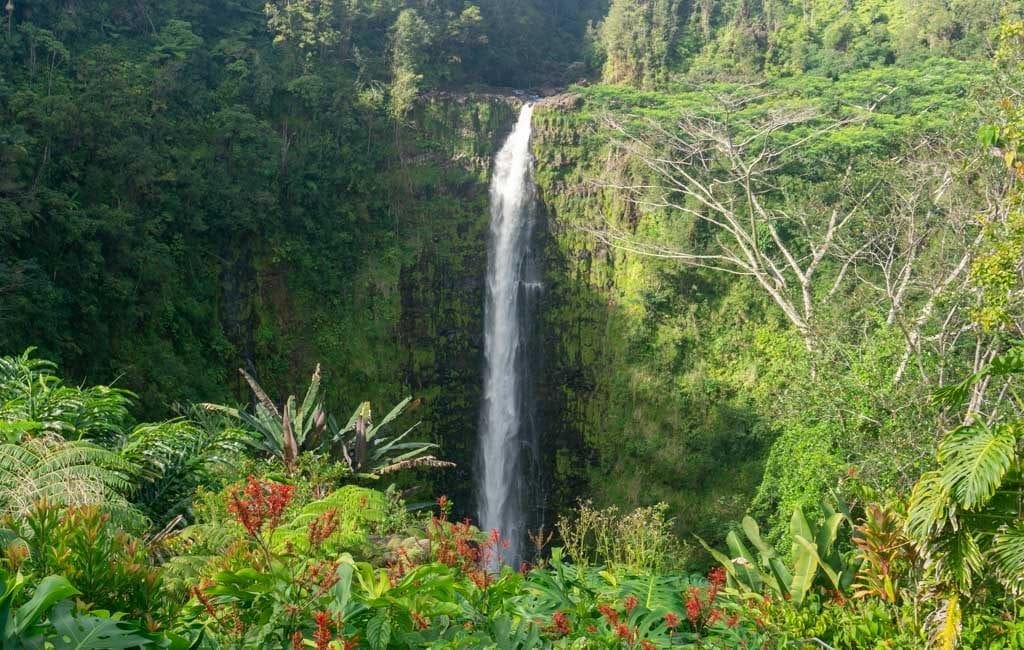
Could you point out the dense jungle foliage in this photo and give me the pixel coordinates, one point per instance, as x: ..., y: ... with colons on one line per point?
x: 780, y: 330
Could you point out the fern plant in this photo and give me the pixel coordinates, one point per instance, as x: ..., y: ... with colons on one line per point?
x: 35, y: 400
x: 61, y: 473
x: 171, y: 459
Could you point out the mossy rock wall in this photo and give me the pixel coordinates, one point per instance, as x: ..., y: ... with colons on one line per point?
x: 408, y: 320
x: 632, y: 415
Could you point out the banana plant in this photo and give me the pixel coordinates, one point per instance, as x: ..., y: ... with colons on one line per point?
x: 816, y: 557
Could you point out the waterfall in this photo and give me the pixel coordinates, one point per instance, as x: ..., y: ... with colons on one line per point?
x: 508, y: 435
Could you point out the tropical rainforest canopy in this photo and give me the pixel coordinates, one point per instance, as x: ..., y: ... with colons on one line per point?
x: 779, y: 343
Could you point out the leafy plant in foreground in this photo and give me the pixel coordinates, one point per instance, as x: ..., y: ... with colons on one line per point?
x: 816, y: 557
x: 966, y: 516
x: 48, y: 620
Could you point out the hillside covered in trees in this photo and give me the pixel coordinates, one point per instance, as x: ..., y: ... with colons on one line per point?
x: 775, y: 354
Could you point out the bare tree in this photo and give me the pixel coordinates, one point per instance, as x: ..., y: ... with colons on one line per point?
x: 721, y: 173
x: 915, y: 249
x: 904, y: 231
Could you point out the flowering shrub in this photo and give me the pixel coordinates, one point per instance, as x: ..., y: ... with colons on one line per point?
x: 294, y: 591
x: 462, y: 546
x: 109, y: 567
x: 259, y: 504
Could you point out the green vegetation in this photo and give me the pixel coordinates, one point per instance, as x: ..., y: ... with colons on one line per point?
x: 780, y: 332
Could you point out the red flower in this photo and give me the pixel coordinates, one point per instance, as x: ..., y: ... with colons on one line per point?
x: 630, y: 604
x: 609, y: 613
x: 419, y: 621
x: 560, y: 624
x: 625, y: 632
x: 717, y: 577
x: 297, y: 640
x: 713, y: 617
x: 322, y: 527
x: 259, y: 504
x: 671, y: 620
x: 733, y: 620
x: 323, y: 635
x: 693, y: 606
x: 647, y: 645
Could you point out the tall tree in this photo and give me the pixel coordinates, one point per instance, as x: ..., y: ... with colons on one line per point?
x: 638, y: 39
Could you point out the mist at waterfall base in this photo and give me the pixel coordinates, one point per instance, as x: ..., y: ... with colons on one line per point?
x: 508, y: 443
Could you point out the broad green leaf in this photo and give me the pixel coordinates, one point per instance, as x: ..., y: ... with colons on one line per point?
x: 93, y: 632
x: 378, y: 631
x: 49, y: 591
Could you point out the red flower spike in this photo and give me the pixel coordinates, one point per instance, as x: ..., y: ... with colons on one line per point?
x: 259, y: 504
x: 625, y: 632
x: 323, y: 635
x: 671, y: 620
x: 559, y: 624
x: 609, y: 613
x: 713, y: 617
x: 630, y: 604
x: 321, y: 528
x: 693, y: 606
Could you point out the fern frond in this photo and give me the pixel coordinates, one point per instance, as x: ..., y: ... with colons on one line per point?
x: 975, y: 458
x: 174, y: 457
x: 64, y: 473
x: 1007, y: 553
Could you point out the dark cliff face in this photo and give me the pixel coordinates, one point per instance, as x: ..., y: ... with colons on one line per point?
x: 442, y: 191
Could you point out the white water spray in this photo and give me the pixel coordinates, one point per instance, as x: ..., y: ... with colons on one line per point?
x: 502, y: 486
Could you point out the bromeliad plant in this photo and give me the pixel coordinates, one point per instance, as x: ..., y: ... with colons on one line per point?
x: 283, y: 433
x: 366, y: 448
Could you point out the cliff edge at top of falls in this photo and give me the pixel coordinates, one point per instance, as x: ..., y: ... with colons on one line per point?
x: 563, y: 101
x: 551, y: 98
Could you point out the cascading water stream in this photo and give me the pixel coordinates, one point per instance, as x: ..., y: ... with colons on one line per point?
x: 507, y: 434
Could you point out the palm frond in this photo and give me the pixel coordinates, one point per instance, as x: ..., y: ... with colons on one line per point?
x: 1007, y: 553
x: 975, y: 458
x: 172, y: 458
